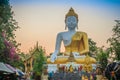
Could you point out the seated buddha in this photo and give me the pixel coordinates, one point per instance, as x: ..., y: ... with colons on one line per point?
x: 75, y: 42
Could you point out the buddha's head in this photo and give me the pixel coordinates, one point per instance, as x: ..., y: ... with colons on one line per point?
x: 71, y: 19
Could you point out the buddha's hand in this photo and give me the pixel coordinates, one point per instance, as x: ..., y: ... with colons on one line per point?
x: 53, y: 57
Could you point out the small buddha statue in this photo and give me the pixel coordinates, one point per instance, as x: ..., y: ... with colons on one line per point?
x: 75, y: 42
x: 71, y: 68
x: 87, y: 64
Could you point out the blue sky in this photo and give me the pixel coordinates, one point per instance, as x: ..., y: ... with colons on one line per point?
x: 38, y: 18
x: 72, y: 2
x: 109, y: 5
x: 64, y: 1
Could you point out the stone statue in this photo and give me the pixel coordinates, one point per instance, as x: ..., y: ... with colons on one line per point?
x: 75, y: 42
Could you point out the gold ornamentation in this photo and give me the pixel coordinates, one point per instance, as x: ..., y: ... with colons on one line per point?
x: 71, y: 13
x: 71, y: 58
x: 71, y: 68
x: 87, y: 64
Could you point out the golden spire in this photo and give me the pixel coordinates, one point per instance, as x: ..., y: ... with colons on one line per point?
x: 71, y: 13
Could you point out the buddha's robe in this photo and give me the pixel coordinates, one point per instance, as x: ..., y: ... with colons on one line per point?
x: 79, y: 44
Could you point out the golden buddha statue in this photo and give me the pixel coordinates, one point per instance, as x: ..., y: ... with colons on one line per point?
x: 87, y: 64
x: 71, y: 68
x: 75, y: 42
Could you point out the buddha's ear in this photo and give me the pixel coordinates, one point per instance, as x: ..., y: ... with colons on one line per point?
x: 77, y: 26
x: 65, y: 26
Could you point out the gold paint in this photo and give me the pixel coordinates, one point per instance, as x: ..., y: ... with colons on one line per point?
x: 71, y: 68
x: 78, y: 44
x: 88, y: 64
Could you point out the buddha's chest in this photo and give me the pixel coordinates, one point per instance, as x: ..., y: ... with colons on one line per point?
x: 67, y: 38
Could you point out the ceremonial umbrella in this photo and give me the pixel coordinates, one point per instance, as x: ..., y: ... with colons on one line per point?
x: 4, y: 68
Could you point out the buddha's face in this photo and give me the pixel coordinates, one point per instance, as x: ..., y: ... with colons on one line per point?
x: 71, y: 22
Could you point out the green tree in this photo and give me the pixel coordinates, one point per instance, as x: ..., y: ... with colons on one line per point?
x: 102, y: 56
x: 115, y: 40
x: 8, y: 44
x: 39, y: 60
x: 22, y: 58
x: 92, y: 48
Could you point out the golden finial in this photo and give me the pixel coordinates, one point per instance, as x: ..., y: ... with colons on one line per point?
x: 71, y: 13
